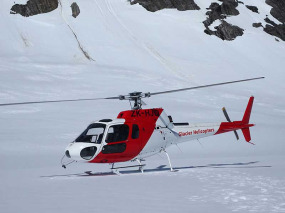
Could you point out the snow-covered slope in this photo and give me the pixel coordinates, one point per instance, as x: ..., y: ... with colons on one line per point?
x: 131, y: 49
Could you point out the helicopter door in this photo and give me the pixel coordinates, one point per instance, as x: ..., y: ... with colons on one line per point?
x: 116, y: 133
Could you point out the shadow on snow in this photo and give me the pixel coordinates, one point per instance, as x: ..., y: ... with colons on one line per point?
x: 161, y: 168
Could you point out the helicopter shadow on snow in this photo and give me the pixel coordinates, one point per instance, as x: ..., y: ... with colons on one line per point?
x: 162, y: 168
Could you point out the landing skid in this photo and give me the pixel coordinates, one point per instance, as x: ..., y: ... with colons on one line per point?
x: 159, y: 169
x: 116, y: 169
x: 141, y: 166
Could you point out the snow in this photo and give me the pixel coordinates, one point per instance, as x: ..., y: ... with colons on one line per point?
x: 135, y: 50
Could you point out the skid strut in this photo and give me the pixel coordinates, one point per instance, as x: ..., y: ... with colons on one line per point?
x: 116, y: 169
x: 171, y: 169
x: 141, y: 166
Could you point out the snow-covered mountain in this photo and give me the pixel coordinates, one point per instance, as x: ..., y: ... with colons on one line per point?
x: 114, y: 47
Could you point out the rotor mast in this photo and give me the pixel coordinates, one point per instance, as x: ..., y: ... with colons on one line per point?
x: 135, y: 99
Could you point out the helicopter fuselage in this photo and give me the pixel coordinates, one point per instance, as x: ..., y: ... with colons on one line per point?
x: 137, y: 134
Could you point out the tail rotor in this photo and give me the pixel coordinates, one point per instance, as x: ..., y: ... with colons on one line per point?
x: 243, y: 125
x: 229, y: 120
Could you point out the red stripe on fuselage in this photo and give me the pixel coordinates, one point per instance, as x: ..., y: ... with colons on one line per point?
x: 146, y: 120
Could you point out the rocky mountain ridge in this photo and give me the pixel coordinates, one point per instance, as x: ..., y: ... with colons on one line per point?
x: 34, y: 7
x: 220, y: 11
x: 154, y: 6
x: 217, y: 11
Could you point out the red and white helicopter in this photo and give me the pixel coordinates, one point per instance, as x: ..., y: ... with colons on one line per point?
x: 140, y: 133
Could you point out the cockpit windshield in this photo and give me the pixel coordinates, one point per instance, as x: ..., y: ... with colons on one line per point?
x: 93, y: 134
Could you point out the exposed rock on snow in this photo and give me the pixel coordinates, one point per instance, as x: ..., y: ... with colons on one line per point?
x: 75, y: 9
x: 257, y: 25
x: 226, y: 31
x: 228, y: 7
x: 274, y: 29
x: 217, y: 11
x: 155, y: 5
x: 278, y: 10
x: 252, y: 8
x: 220, y: 11
x: 34, y: 7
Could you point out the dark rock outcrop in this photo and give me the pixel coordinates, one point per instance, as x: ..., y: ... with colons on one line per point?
x: 252, y: 8
x: 75, y: 9
x: 228, y: 7
x: 274, y: 29
x: 278, y: 9
x: 278, y: 12
x: 217, y: 11
x: 34, y: 7
x: 257, y: 25
x: 155, y: 5
x: 226, y: 31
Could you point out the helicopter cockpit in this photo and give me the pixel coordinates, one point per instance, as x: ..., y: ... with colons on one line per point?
x: 100, y: 136
x: 93, y: 134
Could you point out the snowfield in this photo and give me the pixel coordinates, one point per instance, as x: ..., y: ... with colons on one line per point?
x: 135, y: 50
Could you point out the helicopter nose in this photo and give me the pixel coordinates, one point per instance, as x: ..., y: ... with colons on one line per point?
x: 81, y: 151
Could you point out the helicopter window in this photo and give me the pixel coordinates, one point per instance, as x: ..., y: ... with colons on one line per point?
x: 114, y: 148
x: 135, y: 132
x: 117, y: 133
x: 93, y: 134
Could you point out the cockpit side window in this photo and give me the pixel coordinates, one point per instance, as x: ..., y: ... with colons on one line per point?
x: 135, y: 131
x: 93, y: 134
x: 117, y: 133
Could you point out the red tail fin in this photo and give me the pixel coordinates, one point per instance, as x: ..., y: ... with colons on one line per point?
x: 246, y: 134
x: 246, y: 116
x: 245, y: 120
x: 243, y: 125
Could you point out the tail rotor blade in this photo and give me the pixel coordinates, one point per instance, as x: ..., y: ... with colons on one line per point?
x: 229, y: 120
x: 226, y: 114
x: 236, y: 134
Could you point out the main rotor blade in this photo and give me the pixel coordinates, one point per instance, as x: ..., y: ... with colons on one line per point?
x: 209, y: 85
x: 57, y: 101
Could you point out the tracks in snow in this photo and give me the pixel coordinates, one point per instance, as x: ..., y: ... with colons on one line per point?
x: 85, y: 53
x: 111, y: 14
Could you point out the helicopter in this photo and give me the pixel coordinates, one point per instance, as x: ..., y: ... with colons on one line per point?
x: 139, y: 133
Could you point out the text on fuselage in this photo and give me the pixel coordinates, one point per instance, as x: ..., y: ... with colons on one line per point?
x: 196, y: 132
x: 145, y: 113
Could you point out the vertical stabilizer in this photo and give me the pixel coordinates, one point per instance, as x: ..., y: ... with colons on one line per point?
x: 246, y: 134
x: 246, y: 116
